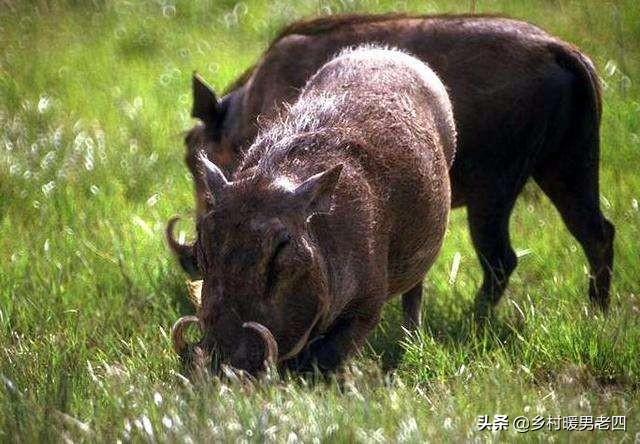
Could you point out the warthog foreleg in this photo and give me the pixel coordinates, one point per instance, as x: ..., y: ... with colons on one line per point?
x: 327, y: 353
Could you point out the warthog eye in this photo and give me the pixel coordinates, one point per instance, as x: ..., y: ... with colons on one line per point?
x: 272, y: 267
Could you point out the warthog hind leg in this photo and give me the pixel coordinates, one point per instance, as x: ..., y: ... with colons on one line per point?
x: 411, y: 305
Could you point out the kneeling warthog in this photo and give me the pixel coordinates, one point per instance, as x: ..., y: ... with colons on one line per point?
x: 526, y: 105
x: 340, y: 203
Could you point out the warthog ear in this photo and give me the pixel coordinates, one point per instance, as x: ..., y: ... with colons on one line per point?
x: 213, y: 176
x: 315, y: 195
x: 205, y: 103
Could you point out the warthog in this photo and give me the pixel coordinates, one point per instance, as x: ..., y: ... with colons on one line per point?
x: 339, y: 204
x: 526, y: 105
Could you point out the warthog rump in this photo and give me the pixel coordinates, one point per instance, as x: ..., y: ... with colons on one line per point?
x: 340, y: 203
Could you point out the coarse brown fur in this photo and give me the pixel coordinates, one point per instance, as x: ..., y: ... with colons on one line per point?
x: 341, y: 203
x: 526, y: 105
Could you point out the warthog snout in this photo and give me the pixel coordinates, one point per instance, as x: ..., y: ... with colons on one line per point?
x: 184, y: 350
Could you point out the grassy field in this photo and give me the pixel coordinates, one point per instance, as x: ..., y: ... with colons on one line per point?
x: 94, y: 97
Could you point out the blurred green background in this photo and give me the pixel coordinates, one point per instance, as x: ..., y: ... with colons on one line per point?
x: 94, y: 99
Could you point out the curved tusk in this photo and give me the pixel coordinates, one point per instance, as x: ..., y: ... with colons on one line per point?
x: 177, y: 247
x: 184, y: 252
x: 177, y: 332
x: 269, y: 341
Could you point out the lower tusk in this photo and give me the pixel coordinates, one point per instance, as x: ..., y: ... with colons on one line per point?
x: 237, y: 375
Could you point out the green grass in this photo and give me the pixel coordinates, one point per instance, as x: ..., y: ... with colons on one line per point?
x: 94, y: 97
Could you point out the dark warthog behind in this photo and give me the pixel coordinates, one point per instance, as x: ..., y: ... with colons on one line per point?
x: 526, y: 105
x: 340, y: 203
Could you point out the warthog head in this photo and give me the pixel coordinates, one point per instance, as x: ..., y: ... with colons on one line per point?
x: 211, y: 135
x: 264, y: 278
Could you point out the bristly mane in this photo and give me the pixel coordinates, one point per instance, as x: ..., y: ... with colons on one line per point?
x: 285, y: 135
x: 325, y: 24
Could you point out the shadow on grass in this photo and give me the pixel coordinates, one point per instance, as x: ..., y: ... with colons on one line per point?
x: 454, y: 327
